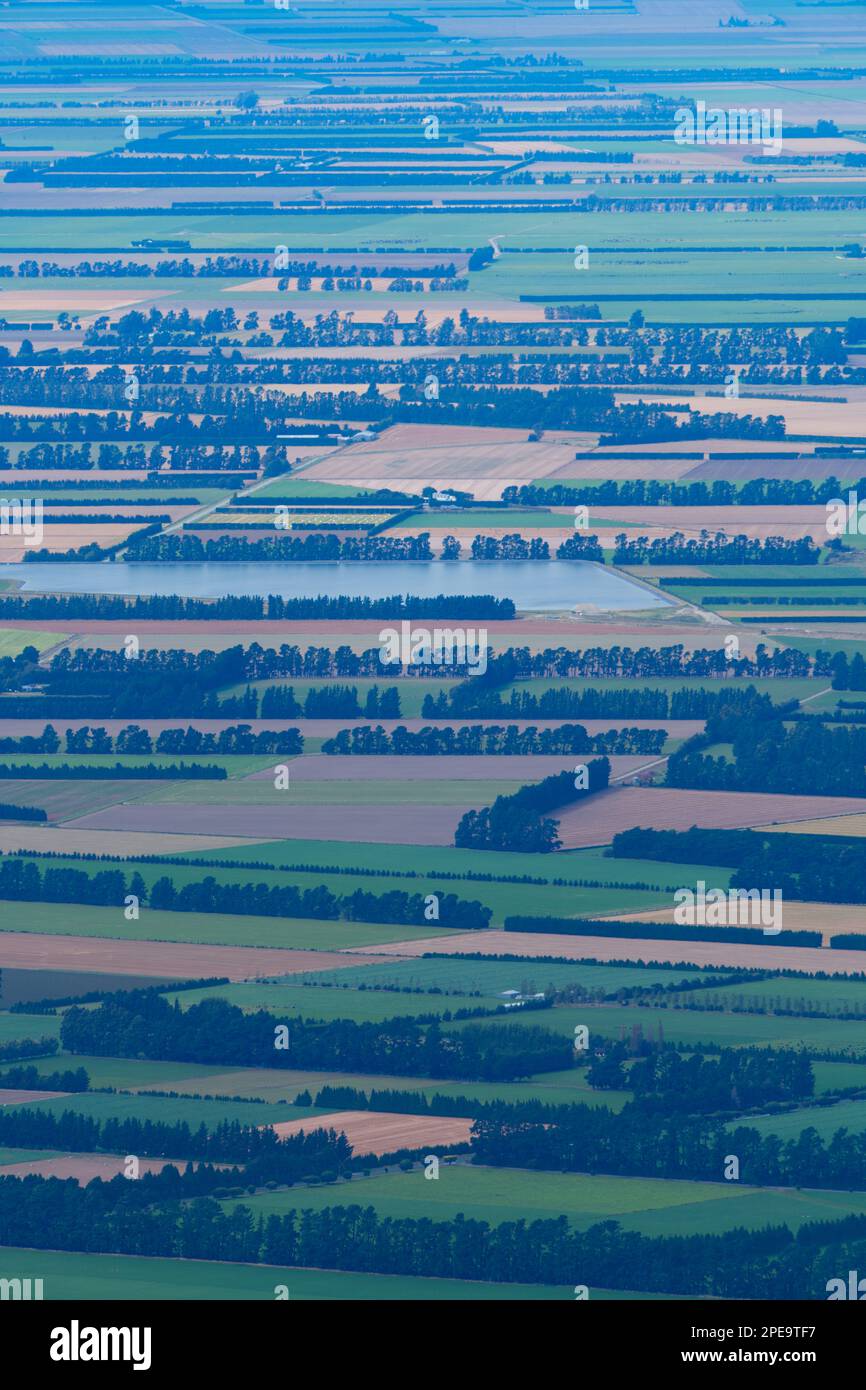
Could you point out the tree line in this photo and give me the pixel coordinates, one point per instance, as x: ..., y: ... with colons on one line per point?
x: 653, y: 492
x: 589, y: 703
x: 308, y: 548
x: 216, y: 1031
x: 770, y: 757
x: 811, y: 868
x: 493, y: 739
x: 661, y: 931
x: 714, y: 550
x: 172, y: 1215
x: 518, y: 822
x: 23, y: 880
x: 110, y: 608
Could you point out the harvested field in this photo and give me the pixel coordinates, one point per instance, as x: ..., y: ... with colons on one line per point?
x: 789, y: 521
x: 52, y: 301
x: 15, y: 1097
x: 595, y: 822
x: 810, y: 959
x: 420, y: 455
x: 742, y: 470
x: 388, y: 825
x: 166, y: 960
x: 523, y: 767
x: 374, y: 1132
x: 55, y: 840
x: 829, y: 825
x: 831, y: 919
x: 602, y: 469
x: 85, y: 1167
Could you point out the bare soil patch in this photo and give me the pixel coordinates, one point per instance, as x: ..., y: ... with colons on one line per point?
x: 170, y: 960
x: 596, y: 821
x: 398, y: 825
x: 375, y: 1132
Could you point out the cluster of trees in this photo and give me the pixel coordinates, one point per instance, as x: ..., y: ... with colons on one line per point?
x: 331, y: 702
x: 614, y: 662
x: 218, y: 266
x: 715, y: 550
x: 667, y: 1082
x: 96, y: 772
x: 636, y: 1141
x: 260, y: 900
x: 32, y: 1079
x: 652, y: 492
x: 21, y: 880
x: 848, y: 675
x: 512, y: 547
x: 237, y: 738
x: 264, y: 1155
x: 518, y: 822
x: 581, y: 547
x: 649, y: 931
x: 9, y: 811
x: 27, y: 1047
x: 137, y: 1024
x: 809, y: 757
x: 496, y: 739
x: 234, y: 665
x: 310, y: 547
x: 108, y: 607
x: 170, y: 1215
x: 588, y: 703
x: 812, y: 868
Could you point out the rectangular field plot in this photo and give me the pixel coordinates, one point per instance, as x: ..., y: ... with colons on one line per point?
x: 488, y: 979
x: 650, y: 1206
x: 69, y: 1275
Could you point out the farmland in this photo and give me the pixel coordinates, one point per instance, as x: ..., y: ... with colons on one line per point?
x: 432, y: 601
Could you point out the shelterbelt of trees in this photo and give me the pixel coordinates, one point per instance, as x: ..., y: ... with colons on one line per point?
x: 228, y: 416
x: 327, y: 546
x: 640, y: 492
x: 9, y: 811
x: 165, y: 337
x: 145, y: 1024
x: 109, y: 608
x: 809, y: 757
x: 238, y: 738
x: 812, y: 868
x: 22, y: 880
x: 719, y: 549
x: 95, y: 683
x: 590, y: 703
x: 130, y: 772
x: 173, y: 1215
x: 517, y: 822
x: 169, y: 376
x: 665, y: 931
x: 495, y: 739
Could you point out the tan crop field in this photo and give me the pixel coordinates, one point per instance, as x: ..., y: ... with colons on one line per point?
x: 671, y: 808
x: 167, y: 960
x: 85, y: 1167
x: 810, y: 959
x: 375, y: 1132
x: 57, y: 840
